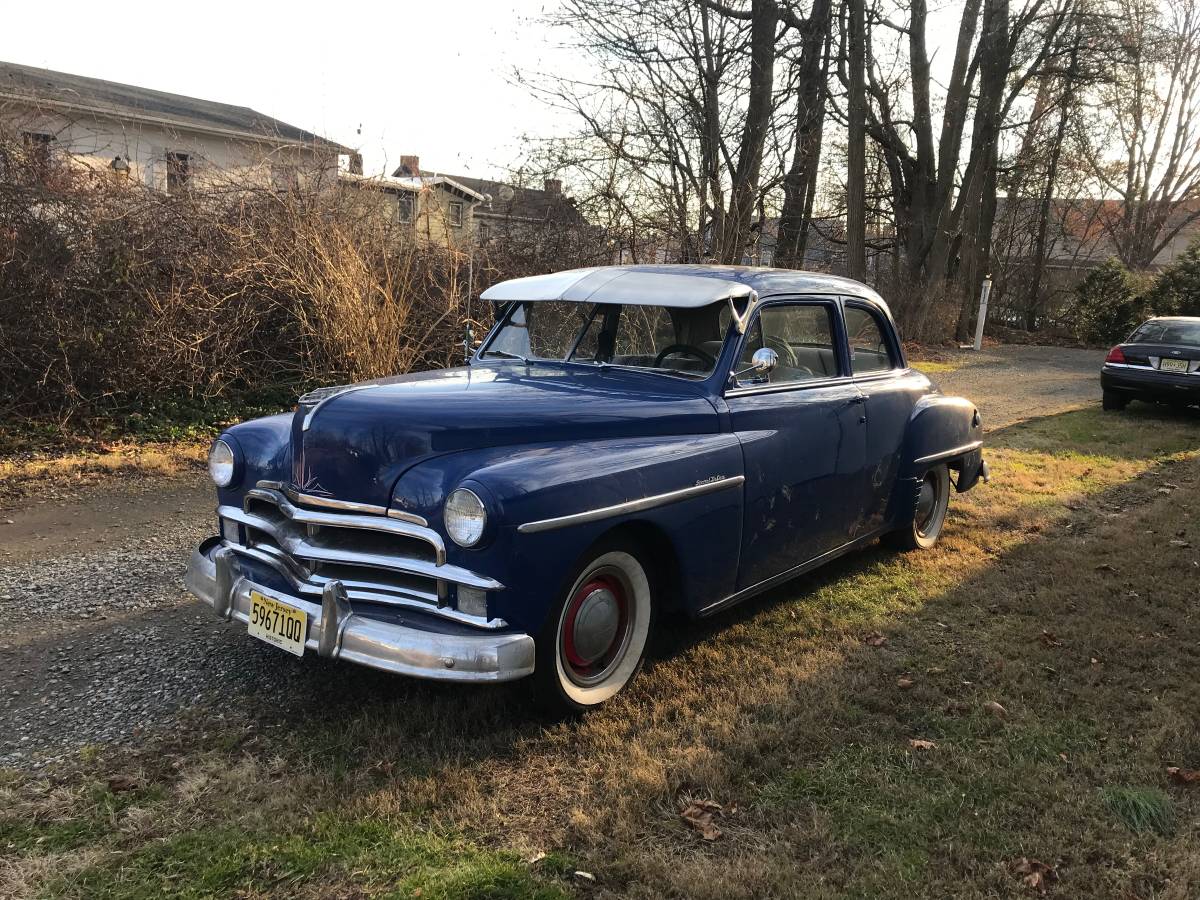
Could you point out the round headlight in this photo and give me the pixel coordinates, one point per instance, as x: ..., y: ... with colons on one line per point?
x: 465, y: 517
x: 221, y: 463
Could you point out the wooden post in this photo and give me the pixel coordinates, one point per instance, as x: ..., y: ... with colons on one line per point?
x: 982, y: 317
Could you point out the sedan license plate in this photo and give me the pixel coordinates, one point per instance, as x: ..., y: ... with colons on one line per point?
x: 277, y: 623
x: 1173, y: 365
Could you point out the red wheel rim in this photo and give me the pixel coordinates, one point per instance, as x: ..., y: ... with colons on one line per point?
x: 591, y: 646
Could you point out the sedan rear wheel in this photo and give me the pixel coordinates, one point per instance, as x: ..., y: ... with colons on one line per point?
x: 594, y: 641
x: 1114, y: 401
x: 933, y: 500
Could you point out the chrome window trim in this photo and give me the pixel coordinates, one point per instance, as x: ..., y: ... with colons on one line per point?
x: 773, y: 302
x: 783, y: 386
x: 630, y: 506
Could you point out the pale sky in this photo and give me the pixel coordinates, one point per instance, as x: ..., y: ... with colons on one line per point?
x: 429, y: 78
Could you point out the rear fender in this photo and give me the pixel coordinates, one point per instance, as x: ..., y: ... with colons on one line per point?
x: 941, y: 429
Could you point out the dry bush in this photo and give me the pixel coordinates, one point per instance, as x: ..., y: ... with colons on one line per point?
x: 113, y: 295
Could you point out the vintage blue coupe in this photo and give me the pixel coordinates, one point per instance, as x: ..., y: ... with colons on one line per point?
x: 627, y: 441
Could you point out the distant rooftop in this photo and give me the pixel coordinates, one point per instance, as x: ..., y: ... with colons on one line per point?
x: 35, y: 85
x: 503, y: 201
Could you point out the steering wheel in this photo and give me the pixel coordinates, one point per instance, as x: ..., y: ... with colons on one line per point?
x: 707, y: 358
x: 784, y: 349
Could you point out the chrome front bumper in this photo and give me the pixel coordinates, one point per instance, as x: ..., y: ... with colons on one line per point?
x: 335, y: 631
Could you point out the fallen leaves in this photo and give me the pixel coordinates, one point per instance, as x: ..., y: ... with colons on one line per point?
x: 904, y: 682
x: 1035, y: 874
x: 1183, y: 776
x: 874, y: 639
x: 922, y: 744
x: 699, y: 815
x: 119, y: 783
x: 1049, y: 639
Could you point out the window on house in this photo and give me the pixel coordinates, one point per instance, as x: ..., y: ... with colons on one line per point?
x: 456, y: 213
x: 485, y: 232
x: 179, y: 173
x: 285, y: 178
x: 37, y: 146
x: 406, y: 207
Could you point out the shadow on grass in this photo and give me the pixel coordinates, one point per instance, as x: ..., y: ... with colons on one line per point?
x: 1047, y: 650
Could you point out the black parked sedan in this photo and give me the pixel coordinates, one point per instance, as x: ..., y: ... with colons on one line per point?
x: 1158, y: 363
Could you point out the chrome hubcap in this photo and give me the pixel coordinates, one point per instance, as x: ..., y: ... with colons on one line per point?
x: 595, y: 628
x: 596, y: 623
x: 926, y: 503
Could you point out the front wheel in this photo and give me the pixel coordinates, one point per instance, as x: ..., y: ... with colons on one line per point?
x: 933, y: 500
x: 594, y: 640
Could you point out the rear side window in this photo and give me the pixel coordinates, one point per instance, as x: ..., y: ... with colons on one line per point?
x: 802, y: 336
x: 1166, y: 332
x: 869, y: 348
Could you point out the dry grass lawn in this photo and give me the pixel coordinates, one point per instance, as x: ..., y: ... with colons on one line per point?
x: 993, y: 718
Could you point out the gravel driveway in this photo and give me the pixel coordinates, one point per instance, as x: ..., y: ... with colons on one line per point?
x: 102, y: 642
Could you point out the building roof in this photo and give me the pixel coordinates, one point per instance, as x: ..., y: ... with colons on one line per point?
x: 672, y: 285
x: 125, y: 101
x: 508, y: 201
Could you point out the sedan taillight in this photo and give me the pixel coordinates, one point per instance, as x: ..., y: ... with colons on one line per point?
x: 1115, y: 355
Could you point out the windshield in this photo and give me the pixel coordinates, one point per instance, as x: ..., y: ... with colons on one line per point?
x: 667, y: 339
x: 1166, y: 332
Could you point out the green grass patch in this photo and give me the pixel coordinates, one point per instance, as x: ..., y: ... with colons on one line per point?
x: 93, y: 816
x: 1140, y: 809
x: 934, y: 367
x: 366, y: 854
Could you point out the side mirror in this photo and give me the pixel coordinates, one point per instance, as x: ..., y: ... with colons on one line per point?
x: 762, y: 363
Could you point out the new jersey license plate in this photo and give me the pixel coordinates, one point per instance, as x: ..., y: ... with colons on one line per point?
x: 277, y: 623
x: 1173, y: 365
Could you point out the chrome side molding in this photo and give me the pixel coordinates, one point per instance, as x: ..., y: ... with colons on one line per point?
x: 631, y: 506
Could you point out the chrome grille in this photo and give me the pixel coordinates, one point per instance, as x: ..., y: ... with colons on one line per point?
x: 376, y: 558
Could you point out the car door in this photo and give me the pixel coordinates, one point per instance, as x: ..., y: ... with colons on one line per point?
x: 802, y: 438
x: 889, y: 390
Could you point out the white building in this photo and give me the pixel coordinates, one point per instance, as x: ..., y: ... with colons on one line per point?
x: 165, y: 141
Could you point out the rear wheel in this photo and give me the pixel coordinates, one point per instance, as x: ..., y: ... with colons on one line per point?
x: 594, y: 640
x: 933, y: 500
x: 1114, y: 401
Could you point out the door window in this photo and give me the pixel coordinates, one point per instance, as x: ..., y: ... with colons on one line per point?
x: 869, y: 350
x: 802, y: 336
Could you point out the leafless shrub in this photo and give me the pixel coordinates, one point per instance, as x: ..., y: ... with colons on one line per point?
x: 113, y: 295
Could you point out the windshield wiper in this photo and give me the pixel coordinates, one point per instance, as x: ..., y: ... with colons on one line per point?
x: 682, y: 373
x: 506, y: 355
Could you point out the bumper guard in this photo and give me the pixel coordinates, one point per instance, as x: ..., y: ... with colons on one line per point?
x: 335, y: 631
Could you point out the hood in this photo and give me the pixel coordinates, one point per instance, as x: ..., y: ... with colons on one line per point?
x: 354, y: 444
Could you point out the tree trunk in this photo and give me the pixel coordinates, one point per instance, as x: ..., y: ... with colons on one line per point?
x: 800, y: 182
x: 744, y: 189
x: 856, y: 149
x: 979, y: 197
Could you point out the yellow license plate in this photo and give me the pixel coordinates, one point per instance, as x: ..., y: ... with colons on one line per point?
x: 277, y: 623
x: 1173, y: 365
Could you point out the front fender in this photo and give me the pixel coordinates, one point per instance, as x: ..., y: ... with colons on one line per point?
x: 534, y: 483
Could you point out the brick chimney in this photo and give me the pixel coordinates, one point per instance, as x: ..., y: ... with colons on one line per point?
x: 552, y: 186
x: 409, y: 165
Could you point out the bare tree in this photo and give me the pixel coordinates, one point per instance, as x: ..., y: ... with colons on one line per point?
x: 1140, y: 132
